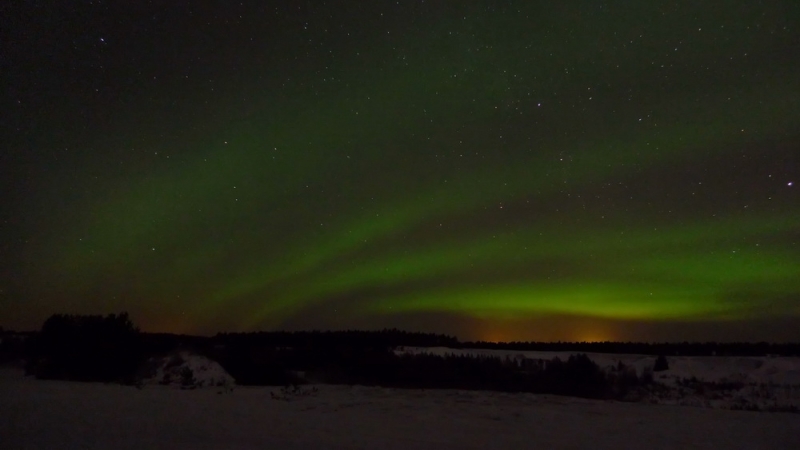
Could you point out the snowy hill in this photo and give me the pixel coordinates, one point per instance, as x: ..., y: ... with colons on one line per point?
x: 185, y: 370
x: 726, y: 382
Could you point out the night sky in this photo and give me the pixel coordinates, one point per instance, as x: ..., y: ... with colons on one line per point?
x: 496, y: 170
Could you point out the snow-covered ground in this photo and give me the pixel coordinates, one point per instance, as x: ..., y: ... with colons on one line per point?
x: 66, y: 415
x: 760, y: 382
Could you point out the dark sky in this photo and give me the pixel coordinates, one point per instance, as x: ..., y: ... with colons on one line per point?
x: 496, y: 170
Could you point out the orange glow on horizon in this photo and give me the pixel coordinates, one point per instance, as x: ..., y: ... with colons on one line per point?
x: 545, y: 329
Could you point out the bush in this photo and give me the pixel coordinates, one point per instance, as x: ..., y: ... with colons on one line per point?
x: 187, y: 378
x: 661, y: 364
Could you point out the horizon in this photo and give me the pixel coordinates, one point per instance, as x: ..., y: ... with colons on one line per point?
x: 459, y: 339
x: 503, y: 171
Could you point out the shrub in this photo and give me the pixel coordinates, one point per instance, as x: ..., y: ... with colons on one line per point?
x: 647, y: 376
x: 661, y: 364
x: 187, y: 378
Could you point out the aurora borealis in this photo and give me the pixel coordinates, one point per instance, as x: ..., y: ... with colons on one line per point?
x: 496, y: 170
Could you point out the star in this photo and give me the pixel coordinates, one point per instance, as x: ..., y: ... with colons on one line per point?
x: 522, y: 240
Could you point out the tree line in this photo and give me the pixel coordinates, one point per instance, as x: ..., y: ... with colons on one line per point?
x: 112, y: 349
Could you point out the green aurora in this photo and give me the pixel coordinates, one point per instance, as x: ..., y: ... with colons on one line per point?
x: 490, y: 163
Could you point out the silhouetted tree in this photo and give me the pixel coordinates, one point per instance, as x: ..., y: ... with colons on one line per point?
x: 87, y: 348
